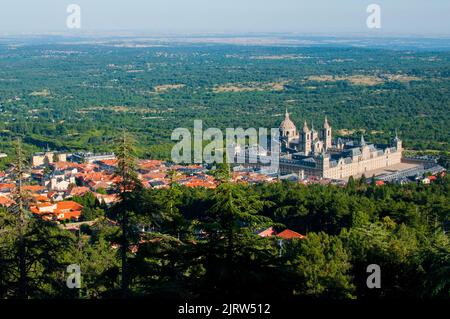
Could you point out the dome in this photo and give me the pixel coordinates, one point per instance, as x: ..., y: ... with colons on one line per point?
x: 287, y: 124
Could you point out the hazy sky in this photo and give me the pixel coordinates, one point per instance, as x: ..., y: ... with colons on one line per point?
x: 195, y: 16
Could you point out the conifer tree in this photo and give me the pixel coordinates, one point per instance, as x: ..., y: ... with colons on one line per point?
x: 19, y: 170
x: 233, y: 209
x: 128, y: 186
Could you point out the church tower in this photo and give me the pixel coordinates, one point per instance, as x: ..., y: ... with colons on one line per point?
x: 397, y: 143
x: 325, y: 134
x: 365, y: 152
x: 306, y: 139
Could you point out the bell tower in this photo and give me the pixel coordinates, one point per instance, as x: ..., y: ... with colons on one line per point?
x: 306, y: 139
x: 326, y: 134
x: 396, y: 142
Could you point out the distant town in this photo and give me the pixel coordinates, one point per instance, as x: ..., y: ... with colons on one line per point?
x: 57, y: 177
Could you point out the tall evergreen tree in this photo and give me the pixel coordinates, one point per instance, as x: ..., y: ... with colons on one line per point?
x: 19, y: 171
x: 32, y: 250
x: 128, y: 186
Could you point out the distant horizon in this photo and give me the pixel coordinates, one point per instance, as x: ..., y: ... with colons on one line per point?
x: 400, y: 17
x: 149, y: 33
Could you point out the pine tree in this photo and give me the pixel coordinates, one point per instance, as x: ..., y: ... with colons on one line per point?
x: 32, y: 250
x: 128, y: 186
x: 19, y: 171
x: 233, y: 209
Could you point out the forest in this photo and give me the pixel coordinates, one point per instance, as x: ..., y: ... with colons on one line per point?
x: 72, y: 95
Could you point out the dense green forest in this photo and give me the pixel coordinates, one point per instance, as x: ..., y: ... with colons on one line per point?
x: 74, y: 95
x: 186, y: 243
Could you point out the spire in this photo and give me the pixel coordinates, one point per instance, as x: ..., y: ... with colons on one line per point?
x: 396, y: 134
x: 363, y: 142
x: 312, y: 125
x: 325, y: 123
x: 286, y: 115
x: 305, y: 127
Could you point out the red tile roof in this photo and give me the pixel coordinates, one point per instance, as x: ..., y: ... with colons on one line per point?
x: 41, y: 198
x: 59, y: 211
x: 150, y: 164
x: 65, y: 165
x: 4, y: 187
x: 68, y: 205
x: 33, y: 188
x: 110, y: 162
x: 6, y: 201
x: 289, y: 234
x: 78, y: 191
x: 267, y: 232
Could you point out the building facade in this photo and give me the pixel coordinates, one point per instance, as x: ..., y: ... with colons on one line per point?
x: 315, y: 153
x: 47, y: 157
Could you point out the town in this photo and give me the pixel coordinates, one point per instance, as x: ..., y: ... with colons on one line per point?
x: 56, y: 178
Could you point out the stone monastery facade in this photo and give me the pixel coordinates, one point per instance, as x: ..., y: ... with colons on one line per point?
x: 314, y: 153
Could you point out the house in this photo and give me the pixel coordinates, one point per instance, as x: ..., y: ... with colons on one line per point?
x: 109, y: 165
x: 158, y: 184
x: 6, y: 201
x: 47, y: 157
x: 36, y: 189
x: 68, y: 210
x: 41, y: 198
x: 107, y: 199
x: 55, y: 196
x: 290, y: 234
x: 285, y: 234
x: 151, y: 166
x: 61, y: 184
x: 267, y: 232
x: 77, y: 191
x: 7, y: 189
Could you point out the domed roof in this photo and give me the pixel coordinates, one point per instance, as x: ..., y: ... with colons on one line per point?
x: 287, y: 124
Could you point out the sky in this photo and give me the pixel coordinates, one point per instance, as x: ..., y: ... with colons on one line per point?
x: 409, y: 17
